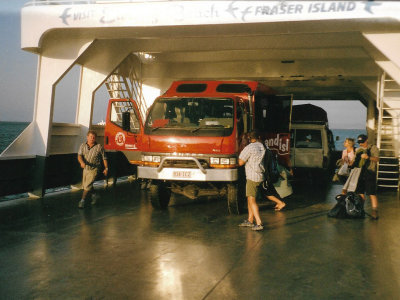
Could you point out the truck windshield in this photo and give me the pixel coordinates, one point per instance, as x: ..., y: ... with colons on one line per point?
x: 191, y: 116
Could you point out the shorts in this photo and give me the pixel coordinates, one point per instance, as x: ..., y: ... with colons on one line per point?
x: 88, y: 178
x: 251, y: 188
x: 366, y: 183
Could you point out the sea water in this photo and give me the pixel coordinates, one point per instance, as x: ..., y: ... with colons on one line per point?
x: 340, y: 135
x: 9, y: 131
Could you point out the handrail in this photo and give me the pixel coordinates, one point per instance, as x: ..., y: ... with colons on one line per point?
x: 78, y: 2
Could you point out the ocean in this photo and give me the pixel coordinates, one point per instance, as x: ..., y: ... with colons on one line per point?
x: 341, y: 134
x: 9, y: 131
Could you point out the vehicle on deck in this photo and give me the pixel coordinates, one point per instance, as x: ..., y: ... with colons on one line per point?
x: 311, y: 144
x: 193, y: 134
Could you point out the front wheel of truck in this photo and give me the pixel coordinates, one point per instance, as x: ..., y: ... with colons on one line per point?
x: 233, y: 197
x: 160, y: 195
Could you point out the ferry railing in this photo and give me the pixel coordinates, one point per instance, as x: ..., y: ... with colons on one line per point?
x: 79, y: 2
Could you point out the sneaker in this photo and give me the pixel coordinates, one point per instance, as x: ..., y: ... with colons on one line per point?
x: 374, y: 214
x: 94, y: 199
x: 246, y: 223
x: 257, y: 227
x: 81, y: 204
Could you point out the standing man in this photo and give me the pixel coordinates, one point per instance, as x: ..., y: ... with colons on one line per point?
x: 367, y: 181
x: 90, y: 156
x: 252, y: 157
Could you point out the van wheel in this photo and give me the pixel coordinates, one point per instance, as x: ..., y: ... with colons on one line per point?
x: 232, y: 194
x: 159, y: 195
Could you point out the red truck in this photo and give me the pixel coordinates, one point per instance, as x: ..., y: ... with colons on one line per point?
x: 193, y: 134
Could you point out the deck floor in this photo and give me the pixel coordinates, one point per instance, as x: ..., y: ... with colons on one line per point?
x: 124, y: 249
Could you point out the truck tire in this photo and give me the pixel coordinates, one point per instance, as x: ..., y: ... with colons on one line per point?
x: 159, y: 195
x: 233, y: 197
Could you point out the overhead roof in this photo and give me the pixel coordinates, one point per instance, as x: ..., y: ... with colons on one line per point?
x: 313, y: 49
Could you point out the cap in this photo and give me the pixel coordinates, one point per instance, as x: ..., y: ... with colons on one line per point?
x: 361, y: 138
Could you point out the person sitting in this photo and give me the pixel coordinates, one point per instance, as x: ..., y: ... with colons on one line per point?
x: 308, y: 143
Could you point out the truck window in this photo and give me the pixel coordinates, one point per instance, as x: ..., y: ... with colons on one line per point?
x: 191, y: 116
x: 119, y: 107
x: 307, y: 138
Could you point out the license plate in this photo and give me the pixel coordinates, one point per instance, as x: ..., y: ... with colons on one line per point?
x: 182, y: 174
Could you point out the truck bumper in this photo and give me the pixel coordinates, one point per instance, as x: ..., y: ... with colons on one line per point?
x: 187, y: 174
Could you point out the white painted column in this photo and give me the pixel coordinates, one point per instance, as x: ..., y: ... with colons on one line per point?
x: 55, y: 61
x: 371, y: 112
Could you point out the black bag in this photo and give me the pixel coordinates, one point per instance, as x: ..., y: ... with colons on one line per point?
x: 350, y: 205
x: 339, y: 210
x: 354, y: 206
x: 271, y: 172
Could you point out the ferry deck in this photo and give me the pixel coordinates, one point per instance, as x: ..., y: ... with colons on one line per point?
x: 124, y: 249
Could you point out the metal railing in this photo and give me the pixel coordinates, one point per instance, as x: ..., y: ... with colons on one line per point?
x: 79, y: 2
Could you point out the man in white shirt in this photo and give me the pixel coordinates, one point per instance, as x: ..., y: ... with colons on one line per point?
x: 252, y: 158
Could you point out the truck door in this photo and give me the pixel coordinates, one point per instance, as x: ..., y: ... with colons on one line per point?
x: 272, y: 118
x: 124, y: 128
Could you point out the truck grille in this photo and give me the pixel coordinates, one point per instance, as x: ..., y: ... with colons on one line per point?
x: 176, y: 163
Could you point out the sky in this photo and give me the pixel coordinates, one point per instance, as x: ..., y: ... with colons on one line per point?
x: 18, y: 80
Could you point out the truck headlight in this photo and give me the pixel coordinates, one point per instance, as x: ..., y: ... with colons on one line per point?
x: 214, y: 160
x: 147, y: 158
x: 224, y: 161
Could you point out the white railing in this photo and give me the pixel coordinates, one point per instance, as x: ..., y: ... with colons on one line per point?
x: 78, y: 2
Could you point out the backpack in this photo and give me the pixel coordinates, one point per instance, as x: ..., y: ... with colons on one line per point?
x: 350, y: 205
x: 271, y: 172
x: 339, y: 210
x: 354, y: 205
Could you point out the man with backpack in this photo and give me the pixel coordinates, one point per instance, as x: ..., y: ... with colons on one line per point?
x: 252, y: 157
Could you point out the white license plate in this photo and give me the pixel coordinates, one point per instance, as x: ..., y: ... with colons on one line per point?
x: 182, y: 174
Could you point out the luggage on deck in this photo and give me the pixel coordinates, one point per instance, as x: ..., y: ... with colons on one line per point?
x: 350, y: 205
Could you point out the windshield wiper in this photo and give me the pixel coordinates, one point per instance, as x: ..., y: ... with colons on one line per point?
x: 155, y: 128
x: 205, y: 127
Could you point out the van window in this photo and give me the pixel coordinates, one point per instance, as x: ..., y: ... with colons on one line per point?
x: 308, y: 138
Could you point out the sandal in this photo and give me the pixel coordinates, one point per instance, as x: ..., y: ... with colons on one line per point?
x: 280, y: 207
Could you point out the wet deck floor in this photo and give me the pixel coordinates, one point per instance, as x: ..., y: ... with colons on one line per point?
x: 123, y: 249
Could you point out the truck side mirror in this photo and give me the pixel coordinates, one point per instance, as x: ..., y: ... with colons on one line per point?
x: 126, y: 121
